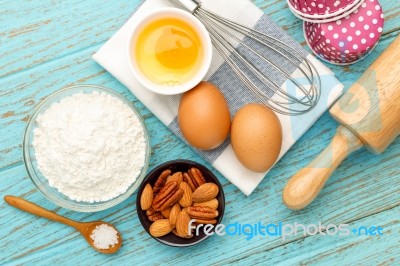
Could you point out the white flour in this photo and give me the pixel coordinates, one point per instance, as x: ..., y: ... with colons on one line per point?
x: 91, y: 147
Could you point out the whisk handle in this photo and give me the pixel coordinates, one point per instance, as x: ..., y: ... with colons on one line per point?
x: 304, y: 187
x: 190, y: 5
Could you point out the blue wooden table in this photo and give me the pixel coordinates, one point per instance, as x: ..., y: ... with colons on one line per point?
x: 46, y: 45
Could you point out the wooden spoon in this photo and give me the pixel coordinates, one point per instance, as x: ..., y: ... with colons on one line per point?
x: 84, y: 228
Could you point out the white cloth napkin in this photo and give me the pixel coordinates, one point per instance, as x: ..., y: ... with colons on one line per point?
x: 113, y: 57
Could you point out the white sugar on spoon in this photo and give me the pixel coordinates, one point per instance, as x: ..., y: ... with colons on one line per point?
x: 104, y: 236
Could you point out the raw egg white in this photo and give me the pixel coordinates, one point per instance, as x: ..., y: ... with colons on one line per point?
x: 256, y: 137
x: 204, y: 117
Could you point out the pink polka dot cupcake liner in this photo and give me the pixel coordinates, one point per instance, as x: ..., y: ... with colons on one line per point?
x: 321, y: 9
x: 347, y: 40
x: 340, y: 15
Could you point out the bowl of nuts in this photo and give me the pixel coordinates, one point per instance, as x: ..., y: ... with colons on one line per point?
x: 180, y: 202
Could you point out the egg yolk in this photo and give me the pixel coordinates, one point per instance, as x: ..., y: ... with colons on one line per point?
x: 168, y: 51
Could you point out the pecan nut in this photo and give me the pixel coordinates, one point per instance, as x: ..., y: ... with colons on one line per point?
x: 168, y: 196
x: 194, y: 177
x: 155, y: 217
x: 150, y: 211
x: 202, y: 212
x: 188, y: 179
x: 197, y: 175
x: 173, y: 199
x: 161, y: 180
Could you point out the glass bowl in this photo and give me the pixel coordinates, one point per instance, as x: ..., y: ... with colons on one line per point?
x: 41, y: 182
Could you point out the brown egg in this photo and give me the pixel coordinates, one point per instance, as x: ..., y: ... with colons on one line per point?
x: 256, y: 137
x: 204, y: 117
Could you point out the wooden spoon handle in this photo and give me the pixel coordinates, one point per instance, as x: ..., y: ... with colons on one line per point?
x: 32, y: 208
x: 305, y: 186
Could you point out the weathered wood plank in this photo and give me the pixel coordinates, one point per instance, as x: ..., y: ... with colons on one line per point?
x: 353, y: 249
x: 40, y: 31
x: 35, y: 33
x: 45, y: 46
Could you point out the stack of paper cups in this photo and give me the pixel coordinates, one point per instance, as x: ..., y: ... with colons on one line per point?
x: 346, y: 32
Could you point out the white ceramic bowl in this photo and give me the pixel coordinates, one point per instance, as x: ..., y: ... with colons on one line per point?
x: 202, y: 32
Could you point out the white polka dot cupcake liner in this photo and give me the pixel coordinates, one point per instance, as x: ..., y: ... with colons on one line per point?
x: 347, y: 40
x: 321, y: 9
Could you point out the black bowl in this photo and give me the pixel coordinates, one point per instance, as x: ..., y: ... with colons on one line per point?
x: 176, y: 166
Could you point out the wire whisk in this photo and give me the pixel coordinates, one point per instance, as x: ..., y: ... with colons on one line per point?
x: 247, y: 57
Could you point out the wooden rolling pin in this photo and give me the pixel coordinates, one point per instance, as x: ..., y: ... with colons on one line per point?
x: 369, y: 114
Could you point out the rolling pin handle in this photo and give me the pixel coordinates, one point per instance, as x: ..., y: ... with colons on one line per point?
x: 305, y: 186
